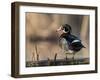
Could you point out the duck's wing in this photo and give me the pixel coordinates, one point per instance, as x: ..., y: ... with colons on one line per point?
x: 76, y: 46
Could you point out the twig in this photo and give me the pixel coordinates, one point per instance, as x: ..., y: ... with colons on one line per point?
x: 37, y: 55
x: 36, y: 48
x: 33, y: 58
x: 55, y: 57
x: 49, y: 62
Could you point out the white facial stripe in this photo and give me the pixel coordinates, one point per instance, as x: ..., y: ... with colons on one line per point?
x: 64, y: 31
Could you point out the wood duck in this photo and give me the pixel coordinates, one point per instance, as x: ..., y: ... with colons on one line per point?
x: 68, y: 42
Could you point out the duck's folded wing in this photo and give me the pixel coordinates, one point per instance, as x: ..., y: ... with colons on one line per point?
x: 77, y: 45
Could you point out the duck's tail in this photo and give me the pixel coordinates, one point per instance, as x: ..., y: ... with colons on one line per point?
x: 83, y: 46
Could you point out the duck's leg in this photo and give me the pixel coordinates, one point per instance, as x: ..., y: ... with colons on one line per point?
x: 73, y: 58
x: 66, y: 57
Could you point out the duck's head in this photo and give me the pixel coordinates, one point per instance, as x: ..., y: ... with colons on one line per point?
x: 65, y: 29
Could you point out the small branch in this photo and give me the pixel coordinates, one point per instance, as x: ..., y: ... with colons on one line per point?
x: 37, y: 57
x: 55, y: 57
x: 36, y: 48
x: 33, y: 58
x: 49, y: 62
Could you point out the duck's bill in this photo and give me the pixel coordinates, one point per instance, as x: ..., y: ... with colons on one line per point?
x: 59, y: 29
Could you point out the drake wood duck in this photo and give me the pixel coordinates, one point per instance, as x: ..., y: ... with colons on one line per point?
x: 68, y: 42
